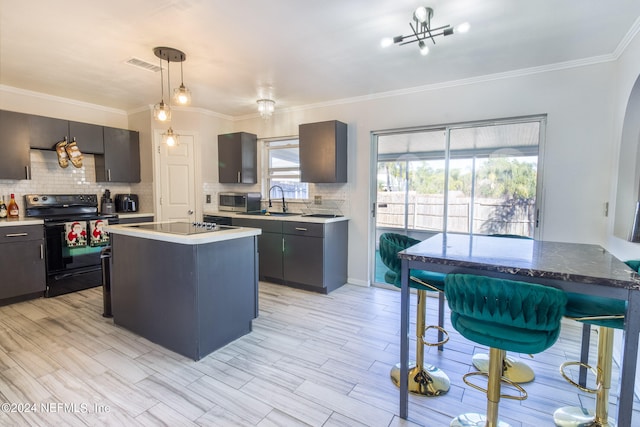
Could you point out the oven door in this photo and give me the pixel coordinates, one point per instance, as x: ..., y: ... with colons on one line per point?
x: 70, y: 268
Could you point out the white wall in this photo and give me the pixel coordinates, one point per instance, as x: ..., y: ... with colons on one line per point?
x: 578, y: 157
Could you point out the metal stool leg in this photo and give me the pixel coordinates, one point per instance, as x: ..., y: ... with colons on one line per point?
x: 571, y: 416
x: 426, y: 380
x: 496, y: 357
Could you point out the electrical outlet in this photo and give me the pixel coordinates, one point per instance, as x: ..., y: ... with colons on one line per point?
x: 208, y: 197
x: 317, y: 199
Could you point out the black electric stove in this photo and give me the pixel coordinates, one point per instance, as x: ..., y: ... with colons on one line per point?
x: 70, y: 266
x: 183, y: 228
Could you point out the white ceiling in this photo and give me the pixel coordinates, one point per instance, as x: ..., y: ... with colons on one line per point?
x: 307, y: 52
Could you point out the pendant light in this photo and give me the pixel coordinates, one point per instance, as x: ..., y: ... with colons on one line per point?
x: 161, y: 111
x: 182, y: 95
x: 170, y: 138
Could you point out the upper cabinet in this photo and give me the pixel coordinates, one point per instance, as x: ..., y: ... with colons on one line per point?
x: 15, y: 162
x: 323, y: 152
x: 46, y: 132
x: 237, y: 158
x: 121, y: 159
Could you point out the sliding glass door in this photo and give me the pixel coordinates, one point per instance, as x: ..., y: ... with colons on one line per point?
x: 479, y: 178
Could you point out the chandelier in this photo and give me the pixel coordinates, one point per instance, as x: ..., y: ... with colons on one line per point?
x: 266, y: 107
x: 182, y: 95
x: 423, y: 32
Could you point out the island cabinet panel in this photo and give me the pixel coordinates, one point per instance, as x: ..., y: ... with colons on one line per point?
x: 22, y: 262
x: 198, y: 299
x: 237, y: 158
x: 15, y: 161
x: 323, y: 152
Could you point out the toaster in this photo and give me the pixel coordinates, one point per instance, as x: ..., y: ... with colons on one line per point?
x: 127, y: 203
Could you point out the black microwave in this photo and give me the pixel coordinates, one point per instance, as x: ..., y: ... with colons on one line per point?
x: 239, y: 202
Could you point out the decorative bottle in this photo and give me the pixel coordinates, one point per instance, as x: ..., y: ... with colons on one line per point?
x: 14, y: 211
x: 3, y: 208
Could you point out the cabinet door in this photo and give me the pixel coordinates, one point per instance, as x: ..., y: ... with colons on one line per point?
x: 323, y: 152
x: 121, y: 159
x: 270, y: 251
x: 88, y: 137
x: 15, y: 161
x: 22, y: 261
x: 303, y: 260
x: 46, y: 132
x: 237, y: 158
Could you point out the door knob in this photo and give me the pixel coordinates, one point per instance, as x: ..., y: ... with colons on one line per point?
x: 190, y: 212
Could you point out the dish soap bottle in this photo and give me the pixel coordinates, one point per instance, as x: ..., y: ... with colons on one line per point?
x: 14, y: 211
x: 3, y: 208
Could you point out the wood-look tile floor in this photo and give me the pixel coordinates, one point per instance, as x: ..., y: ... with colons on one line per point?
x: 319, y: 360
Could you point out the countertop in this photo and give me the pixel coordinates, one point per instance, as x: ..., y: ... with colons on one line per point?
x: 297, y: 217
x: 192, y: 239
x: 582, y: 263
x: 7, y: 222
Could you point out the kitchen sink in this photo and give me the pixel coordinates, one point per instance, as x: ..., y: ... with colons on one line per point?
x: 260, y: 213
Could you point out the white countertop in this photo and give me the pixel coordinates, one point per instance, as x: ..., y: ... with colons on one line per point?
x: 7, y: 222
x: 297, y: 217
x: 191, y: 239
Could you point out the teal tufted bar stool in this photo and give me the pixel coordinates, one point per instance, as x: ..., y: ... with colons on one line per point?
x: 504, y: 315
x: 424, y: 379
x: 513, y: 369
x: 608, y: 314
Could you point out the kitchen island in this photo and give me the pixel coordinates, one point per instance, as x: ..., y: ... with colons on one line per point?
x: 189, y: 291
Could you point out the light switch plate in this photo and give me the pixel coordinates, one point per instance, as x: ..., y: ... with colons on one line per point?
x: 208, y: 197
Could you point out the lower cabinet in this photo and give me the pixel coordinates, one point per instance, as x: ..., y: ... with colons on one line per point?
x: 304, y: 255
x: 22, y: 262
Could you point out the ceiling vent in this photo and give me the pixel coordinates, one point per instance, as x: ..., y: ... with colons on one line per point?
x: 143, y: 64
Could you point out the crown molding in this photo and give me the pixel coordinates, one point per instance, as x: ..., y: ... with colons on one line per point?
x: 198, y: 110
x: 68, y: 101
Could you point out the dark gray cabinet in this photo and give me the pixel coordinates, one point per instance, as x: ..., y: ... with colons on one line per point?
x: 121, y: 159
x: 46, y: 132
x: 269, y: 247
x: 323, y: 152
x: 304, y: 255
x: 90, y: 138
x: 15, y: 162
x: 237, y: 158
x: 22, y: 261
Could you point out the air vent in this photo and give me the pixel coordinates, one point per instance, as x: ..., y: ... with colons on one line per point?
x: 143, y: 64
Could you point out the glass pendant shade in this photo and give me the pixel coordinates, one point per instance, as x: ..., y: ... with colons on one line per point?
x: 170, y: 138
x: 182, y: 95
x: 162, y: 112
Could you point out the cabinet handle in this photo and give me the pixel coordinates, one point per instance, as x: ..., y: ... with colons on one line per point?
x: 239, y: 178
x: 301, y: 229
x: 283, y: 245
x: 16, y: 234
x: 41, y: 251
x: 108, y: 174
x: 27, y: 171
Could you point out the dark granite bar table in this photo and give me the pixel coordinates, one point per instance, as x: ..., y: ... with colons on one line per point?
x: 581, y: 268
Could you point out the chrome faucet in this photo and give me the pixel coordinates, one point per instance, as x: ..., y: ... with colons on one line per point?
x: 284, y: 206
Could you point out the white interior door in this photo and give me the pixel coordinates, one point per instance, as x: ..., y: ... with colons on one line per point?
x: 177, y: 181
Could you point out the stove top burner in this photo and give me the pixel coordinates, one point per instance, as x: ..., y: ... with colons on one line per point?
x: 183, y: 228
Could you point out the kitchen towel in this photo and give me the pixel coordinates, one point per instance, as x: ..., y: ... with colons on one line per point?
x: 75, y: 234
x: 99, y: 237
